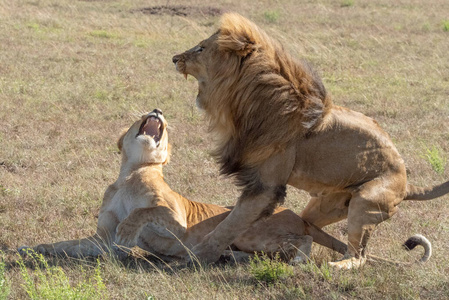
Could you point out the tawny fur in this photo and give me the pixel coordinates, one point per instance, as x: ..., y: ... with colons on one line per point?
x: 140, y: 209
x: 274, y: 125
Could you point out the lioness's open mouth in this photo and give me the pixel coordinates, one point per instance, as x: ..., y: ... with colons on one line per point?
x: 152, y: 126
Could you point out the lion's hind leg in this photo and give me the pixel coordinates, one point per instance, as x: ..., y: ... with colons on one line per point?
x: 88, y: 247
x: 374, y: 203
x: 96, y: 245
x: 326, y: 209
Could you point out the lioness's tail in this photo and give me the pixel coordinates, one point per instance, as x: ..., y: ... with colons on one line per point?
x: 426, y: 193
x: 324, y: 239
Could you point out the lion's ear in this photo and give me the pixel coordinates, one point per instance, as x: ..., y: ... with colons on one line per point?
x: 237, y: 35
x: 241, y: 45
x: 120, y: 139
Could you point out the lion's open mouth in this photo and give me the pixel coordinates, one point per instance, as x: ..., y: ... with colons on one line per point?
x: 152, y: 126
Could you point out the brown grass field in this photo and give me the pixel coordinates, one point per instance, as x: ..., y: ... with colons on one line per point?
x: 74, y: 73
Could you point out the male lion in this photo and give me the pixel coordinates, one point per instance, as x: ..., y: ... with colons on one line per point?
x: 276, y: 125
x: 141, y: 209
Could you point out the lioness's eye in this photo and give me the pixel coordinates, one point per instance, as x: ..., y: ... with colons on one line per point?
x: 199, y: 49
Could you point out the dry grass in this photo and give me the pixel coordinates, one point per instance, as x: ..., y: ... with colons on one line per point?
x: 73, y: 73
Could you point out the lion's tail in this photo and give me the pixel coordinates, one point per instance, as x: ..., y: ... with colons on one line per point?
x: 324, y: 239
x: 410, y: 244
x: 426, y: 193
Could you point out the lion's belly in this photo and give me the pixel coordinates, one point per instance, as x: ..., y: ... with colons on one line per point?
x: 349, y: 150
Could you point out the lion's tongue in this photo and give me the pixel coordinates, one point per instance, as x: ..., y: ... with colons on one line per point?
x: 151, y: 127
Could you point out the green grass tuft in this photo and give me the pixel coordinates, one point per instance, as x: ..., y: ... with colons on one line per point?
x: 51, y: 282
x: 436, y: 159
x: 272, y: 16
x: 269, y: 270
x: 446, y: 25
x: 103, y: 34
x: 5, y: 286
x: 347, y: 3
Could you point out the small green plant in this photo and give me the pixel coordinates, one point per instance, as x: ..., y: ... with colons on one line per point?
x: 34, y: 26
x: 436, y: 159
x: 269, y: 270
x: 426, y: 26
x: 51, y: 282
x: 347, y: 3
x: 4, y: 283
x: 271, y: 16
x: 102, y: 34
x: 446, y: 25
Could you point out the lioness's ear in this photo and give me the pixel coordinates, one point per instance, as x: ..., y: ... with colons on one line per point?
x: 120, y: 139
x: 167, y: 160
x: 237, y: 35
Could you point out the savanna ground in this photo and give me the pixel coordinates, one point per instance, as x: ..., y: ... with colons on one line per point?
x: 74, y: 73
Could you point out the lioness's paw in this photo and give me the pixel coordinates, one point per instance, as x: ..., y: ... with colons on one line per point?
x: 299, y: 260
x: 33, y: 251
x: 125, y: 236
x: 24, y: 250
x: 120, y: 252
x: 126, y: 241
x: 348, y: 263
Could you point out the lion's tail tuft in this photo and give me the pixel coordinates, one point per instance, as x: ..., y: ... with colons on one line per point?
x: 419, y: 240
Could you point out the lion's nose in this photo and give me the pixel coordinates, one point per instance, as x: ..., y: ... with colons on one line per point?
x: 157, y: 111
x: 175, y: 59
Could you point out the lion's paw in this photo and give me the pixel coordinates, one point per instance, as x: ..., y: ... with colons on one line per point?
x: 204, y: 253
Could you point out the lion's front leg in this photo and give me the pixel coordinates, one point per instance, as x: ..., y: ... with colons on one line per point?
x: 264, y: 189
x: 249, y: 208
x: 161, y: 220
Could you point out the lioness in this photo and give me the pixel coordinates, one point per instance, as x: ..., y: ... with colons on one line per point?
x: 276, y: 125
x: 141, y: 209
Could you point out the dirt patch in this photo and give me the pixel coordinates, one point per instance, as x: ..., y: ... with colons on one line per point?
x: 11, y: 167
x: 180, y: 10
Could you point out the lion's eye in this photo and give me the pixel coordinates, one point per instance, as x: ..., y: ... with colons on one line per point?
x: 199, y: 49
